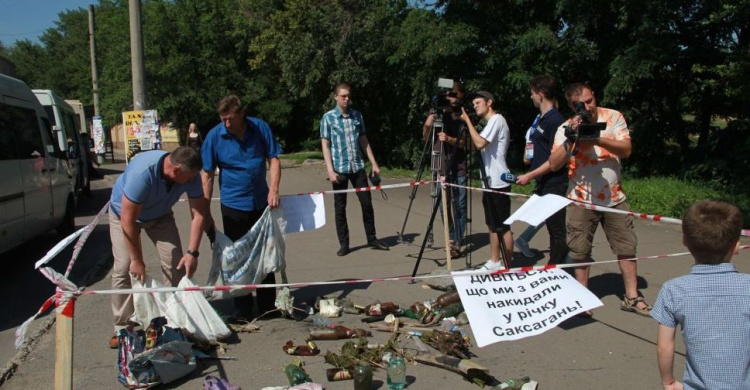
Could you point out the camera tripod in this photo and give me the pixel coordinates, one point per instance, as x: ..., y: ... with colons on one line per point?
x: 436, y: 151
x: 499, y: 231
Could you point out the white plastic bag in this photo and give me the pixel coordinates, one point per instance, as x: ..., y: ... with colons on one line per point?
x: 251, y: 258
x: 188, y: 310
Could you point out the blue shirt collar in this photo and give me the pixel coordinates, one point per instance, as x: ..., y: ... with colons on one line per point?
x: 713, y: 268
x: 225, y: 133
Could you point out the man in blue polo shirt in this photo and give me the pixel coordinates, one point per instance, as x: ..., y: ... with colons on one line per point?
x: 342, y: 135
x: 240, y: 146
x: 142, y: 199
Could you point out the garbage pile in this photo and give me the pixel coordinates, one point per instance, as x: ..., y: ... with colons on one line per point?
x: 429, y: 332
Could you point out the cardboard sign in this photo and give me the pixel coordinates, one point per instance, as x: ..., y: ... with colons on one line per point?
x: 512, y: 306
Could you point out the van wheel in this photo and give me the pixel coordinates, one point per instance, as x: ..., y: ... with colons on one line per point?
x: 68, y: 224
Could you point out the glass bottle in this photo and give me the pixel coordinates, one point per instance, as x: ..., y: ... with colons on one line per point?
x: 513, y: 384
x: 396, y: 373
x: 362, y: 376
x: 296, y: 375
x: 448, y: 298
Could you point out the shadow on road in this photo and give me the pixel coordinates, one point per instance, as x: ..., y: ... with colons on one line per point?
x: 26, y: 289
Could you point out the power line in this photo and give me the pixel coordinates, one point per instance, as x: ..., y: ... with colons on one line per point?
x: 27, y: 33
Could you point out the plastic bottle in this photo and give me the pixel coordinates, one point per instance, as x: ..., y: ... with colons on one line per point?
x: 396, y: 373
x: 296, y: 375
x: 363, y: 376
x: 448, y: 298
x: 322, y: 322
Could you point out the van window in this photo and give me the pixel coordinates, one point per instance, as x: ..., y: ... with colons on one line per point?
x: 7, y: 134
x: 50, y: 114
x: 23, y: 122
x: 50, y: 140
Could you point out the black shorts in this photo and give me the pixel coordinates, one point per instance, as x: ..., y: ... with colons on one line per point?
x: 500, y: 206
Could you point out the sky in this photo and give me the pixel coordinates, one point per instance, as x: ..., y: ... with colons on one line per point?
x: 28, y: 19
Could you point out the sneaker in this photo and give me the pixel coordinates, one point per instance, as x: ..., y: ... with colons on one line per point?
x: 492, y: 265
x: 523, y: 245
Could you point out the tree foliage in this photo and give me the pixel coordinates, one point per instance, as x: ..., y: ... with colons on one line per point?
x: 676, y: 69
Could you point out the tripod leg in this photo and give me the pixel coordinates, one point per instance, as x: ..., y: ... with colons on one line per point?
x: 420, y: 171
x: 424, y: 242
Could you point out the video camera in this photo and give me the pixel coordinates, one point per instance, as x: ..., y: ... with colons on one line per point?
x: 441, y: 105
x: 586, y: 130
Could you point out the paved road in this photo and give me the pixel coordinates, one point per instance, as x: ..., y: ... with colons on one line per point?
x: 615, y: 350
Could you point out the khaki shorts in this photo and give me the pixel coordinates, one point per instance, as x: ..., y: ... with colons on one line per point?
x: 582, y: 225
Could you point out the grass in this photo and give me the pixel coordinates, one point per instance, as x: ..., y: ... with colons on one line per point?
x: 665, y: 196
x: 300, y: 157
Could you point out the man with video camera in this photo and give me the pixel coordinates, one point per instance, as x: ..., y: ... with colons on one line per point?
x: 451, y: 117
x: 595, y: 178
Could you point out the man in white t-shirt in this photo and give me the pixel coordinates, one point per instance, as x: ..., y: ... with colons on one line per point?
x: 493, y: 143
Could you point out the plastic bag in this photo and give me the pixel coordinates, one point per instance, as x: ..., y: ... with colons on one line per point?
x: 155, y: 356
x: 251, y: 258
x: 188, y: 310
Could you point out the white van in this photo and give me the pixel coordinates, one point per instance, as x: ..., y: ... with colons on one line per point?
x: 37, y: 194
x: 66, y: 128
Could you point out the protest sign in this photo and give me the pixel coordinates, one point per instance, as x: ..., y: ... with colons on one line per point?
x: 512, y: 306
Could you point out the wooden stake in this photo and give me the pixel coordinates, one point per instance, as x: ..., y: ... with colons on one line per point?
x: 64, y: 345
x: 446, y: 226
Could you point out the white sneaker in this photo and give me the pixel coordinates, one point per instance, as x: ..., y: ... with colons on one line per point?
x: 492, y: 265
x: 524, y: 247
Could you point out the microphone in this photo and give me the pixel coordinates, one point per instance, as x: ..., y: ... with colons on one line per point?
x: 508, y: 178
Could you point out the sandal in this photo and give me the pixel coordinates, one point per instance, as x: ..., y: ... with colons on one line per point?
x: 455, y: 253
x: 631, y: 304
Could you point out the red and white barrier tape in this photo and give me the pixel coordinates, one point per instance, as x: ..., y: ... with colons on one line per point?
x: 84, y: 237
x: 376, y: 280
x: 644, y: 216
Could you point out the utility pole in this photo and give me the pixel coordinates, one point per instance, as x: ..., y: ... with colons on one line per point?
x: 94, y: 78
x: 94, y: 71
x: 136, y: 55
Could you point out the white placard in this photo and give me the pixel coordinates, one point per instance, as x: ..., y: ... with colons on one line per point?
x: 512, y: 306
x: 538, y: 208
x: 303, y: 212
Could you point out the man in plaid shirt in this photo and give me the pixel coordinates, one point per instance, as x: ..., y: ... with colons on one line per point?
x: 343, y: 138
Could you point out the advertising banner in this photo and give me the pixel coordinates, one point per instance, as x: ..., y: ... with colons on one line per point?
x: 141, y: 132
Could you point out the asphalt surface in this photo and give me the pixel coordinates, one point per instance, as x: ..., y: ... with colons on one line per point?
x: 614, y: 350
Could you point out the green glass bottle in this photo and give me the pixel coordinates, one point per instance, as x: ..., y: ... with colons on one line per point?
x: 363, y: 376
x: 296, y: 375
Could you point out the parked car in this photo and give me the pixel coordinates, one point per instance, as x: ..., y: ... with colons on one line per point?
x: 37, y: 194
x: 66, y: 127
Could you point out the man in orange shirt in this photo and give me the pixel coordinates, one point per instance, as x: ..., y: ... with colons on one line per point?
x: 594, y: 178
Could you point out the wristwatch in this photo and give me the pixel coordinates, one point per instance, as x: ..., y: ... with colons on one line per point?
x: 192, y: 253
